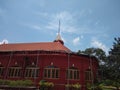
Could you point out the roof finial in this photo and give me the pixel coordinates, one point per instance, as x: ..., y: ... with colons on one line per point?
x: 58, y: 38
x: 59, y: 27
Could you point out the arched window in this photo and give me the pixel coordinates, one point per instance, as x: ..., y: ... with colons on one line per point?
x: 1, y: 71
x: 73, y: 73
x: 14, y: 71
x: 31, y: 72
x: 51, y: 72
x: 88, y: 75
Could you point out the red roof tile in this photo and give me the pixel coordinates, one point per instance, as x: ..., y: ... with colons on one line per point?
x: 47, y: 46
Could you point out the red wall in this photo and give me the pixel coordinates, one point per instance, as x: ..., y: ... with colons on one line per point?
x: 82, y: 62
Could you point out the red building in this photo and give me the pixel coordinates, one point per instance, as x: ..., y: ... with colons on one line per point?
x: 47, y: 62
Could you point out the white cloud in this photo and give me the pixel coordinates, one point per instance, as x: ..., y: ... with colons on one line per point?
x: 4, y: 41
x: 98, y: 44
x: 76, y: 41
x: 67, y: 22
x: 63, y: 16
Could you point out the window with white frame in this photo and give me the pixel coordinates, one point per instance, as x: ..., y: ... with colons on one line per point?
x: 73, y: 73
x: 88, y: 75
x: 51, y: 72
x: 31, y: 72
x: 14, y: 71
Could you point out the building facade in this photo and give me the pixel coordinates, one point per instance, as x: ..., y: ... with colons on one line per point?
x: 47, y: 62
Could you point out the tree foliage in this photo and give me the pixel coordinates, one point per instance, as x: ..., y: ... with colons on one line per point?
x: 111, y: 67
x: 114, y: 61
x: 97, y: 52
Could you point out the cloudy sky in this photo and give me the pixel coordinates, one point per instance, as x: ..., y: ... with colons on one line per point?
x: 84, y: 23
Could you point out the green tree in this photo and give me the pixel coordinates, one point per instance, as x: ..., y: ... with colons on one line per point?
x: 114, y: 63
x: 102, y: 58
x: 97, y: 52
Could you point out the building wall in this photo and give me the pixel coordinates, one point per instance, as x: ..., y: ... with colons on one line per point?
x: 42, y: 60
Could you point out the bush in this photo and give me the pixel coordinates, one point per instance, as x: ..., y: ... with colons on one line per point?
x: 1, y: 82
x: 68, y: 85
x: 27, y: 83
x: 4, y: 82
x: 13, y: 83
x: 75, y: 86
x: 89, y: 86
x: 95, y: 87
x: 44, y: 83
x: 108, y: 82
x: 16, y: 83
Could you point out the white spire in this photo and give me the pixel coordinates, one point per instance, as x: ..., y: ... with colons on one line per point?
x: 58, y: 38
x: 59, y: 27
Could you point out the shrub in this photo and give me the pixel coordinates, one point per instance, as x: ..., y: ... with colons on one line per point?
x: 13, y: 83
x: 44, y: 83
x: 16, y: 83
x: 89, y: 86
x: 4, y: 82
x: 75, y: 86
x: 27, y: 83
x: 108, y: 82
x: 68, y: 85
x: 1, y: 81
x: 94, y: 87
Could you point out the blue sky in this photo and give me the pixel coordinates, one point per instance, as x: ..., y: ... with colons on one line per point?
x: 84, y: 23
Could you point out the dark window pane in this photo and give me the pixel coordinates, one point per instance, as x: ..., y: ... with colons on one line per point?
x: 53, y: 73
x: 71, y: 74
x: 49, y: 73
x: 57, y: 72
x: 45, y: 73
x: 1, y: 71
x: 77, y: 74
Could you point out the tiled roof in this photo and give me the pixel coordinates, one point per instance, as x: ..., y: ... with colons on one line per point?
x: 46, y: 46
